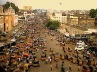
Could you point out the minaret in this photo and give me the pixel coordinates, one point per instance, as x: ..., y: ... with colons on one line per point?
x: 1, y: 9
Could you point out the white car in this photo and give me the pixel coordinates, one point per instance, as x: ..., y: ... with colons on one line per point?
x: 78, y: 48
x: 81, y: 43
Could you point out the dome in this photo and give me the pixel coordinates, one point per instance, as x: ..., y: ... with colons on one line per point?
x: 10, y: 9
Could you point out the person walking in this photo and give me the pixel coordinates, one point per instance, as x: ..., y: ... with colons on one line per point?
x: 70, y: 67
x: 51, y: 66
x: 79, y: 68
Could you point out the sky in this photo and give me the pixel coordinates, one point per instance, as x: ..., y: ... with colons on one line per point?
x: 55, y: 4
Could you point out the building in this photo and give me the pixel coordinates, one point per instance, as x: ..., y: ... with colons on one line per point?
x: 8, y: 19
x: 1, y: 23
x: 86, y: 21
x: 58, y: 17
x: 28, y: 15
x: 73, y: 20
x: 27, y: 8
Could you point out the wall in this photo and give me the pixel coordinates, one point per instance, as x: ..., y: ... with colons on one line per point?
x: 16, y: 19
x: 1, y: 23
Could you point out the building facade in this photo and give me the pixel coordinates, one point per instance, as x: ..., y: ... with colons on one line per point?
x: 7, y: 19
x: 73, y: 20
x: 59, y: 17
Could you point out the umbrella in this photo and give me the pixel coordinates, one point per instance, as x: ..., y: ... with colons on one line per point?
x: 19, y: 56
x: 26, y: 54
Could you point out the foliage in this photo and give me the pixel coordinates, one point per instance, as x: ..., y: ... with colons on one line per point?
x: 7, y: 5
x: 53, y: 24
x: 93, y: 13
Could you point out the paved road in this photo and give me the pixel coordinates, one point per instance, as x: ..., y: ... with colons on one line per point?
x: 46, y: 67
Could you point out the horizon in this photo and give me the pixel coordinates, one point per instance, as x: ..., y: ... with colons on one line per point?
x: 55, y: 5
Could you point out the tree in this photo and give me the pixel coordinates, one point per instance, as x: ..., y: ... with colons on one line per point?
x: 93, y: 13
x: 7, y: 5
x: 53, y: 24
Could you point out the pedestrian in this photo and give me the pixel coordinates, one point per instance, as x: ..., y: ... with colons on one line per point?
x: 51, y: 66
x: 50, y: 60
x: 70, y: 67
x: 79, y: 68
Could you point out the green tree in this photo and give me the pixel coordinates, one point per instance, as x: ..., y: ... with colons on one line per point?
x: 93, y: 13
x: 53, y: 24
x: 7, y: 5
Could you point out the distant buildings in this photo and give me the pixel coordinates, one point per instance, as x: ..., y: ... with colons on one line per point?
x: 73, y: 17
x: 27, y: 7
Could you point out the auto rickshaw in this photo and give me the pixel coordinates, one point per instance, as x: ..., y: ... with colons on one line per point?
x: 53, y: 52
x: 45, y: 48
x: 90, y: 62
x: 36, y: 63
x: 16, y: 50
x: 26, y: 66
x: 34, y: 56
x: 15, y: 62
x: 33, y: 53
x: 73, y: 60
x: 69, y: 50
x: 80, y: 62
x: 85, y: 69
x: 56, y: 57
x: 13, y: 56
x: 62, y: 57
x: 43, y: 56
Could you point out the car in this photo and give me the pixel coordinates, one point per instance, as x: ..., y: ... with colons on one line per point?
x: 78, y: 48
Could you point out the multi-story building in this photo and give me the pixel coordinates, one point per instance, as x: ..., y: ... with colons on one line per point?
x: 86, y: 21
x: 58, y: 17
x: 73, y: 20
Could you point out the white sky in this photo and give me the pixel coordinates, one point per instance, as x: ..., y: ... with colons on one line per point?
x: 54, y: 4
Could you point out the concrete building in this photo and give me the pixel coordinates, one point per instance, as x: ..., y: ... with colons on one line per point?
x: 73, y: 20
x: 28, y: 15
x: 58, y: 17
x: 8, y: 18
x: 86, y: 21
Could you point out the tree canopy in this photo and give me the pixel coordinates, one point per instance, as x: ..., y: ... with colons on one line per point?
x: 7, y: 5
x: 93, y: 13
x: 53, y: 24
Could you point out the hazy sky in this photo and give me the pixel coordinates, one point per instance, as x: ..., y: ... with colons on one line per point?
x: 54, y: 4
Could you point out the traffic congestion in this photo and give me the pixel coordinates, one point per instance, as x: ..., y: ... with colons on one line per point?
x: 39, y: 49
